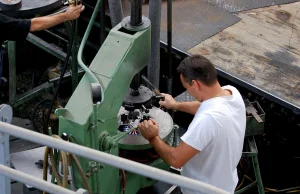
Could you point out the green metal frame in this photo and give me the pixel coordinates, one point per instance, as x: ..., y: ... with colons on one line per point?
x: 253, y: 152
x: 11, y: 46
x: 121, y: 56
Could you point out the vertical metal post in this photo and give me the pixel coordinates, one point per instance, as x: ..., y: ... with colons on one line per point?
x: 4, y: 160
x: 12, y: 70
x: 169, y: 40
x: 115, y: 12
x: 260, y: 186
x: 74, y: 64
x: 169, y: 37
x: 155, y: 18
x: 136, y: 13
x: 102, y: 23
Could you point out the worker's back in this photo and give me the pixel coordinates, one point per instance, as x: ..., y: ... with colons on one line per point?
x: 217, y: 131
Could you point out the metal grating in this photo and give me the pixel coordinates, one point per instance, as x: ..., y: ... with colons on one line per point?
x: 184, y: 97
x: 193, y: 21
x: 241, y: 5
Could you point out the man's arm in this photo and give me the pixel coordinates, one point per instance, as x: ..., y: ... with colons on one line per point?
x: 41, y: 23
x: 188, y: 107
x: 175, y: 157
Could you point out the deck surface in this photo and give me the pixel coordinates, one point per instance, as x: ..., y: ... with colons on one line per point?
x: 193, y: 21
x: 263, y: 50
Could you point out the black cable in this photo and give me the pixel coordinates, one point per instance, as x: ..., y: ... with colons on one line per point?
x: 45, y: 128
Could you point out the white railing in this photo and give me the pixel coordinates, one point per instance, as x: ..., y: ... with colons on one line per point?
x: 94, y: 155
x: 35, y: 182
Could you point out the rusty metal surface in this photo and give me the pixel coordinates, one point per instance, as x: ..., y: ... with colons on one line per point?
x: 240, y: 5
x: 31, y: 8
x: 193, y: 21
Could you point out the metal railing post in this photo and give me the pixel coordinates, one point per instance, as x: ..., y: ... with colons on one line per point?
x: 36, y: 182
x: 4, y: 160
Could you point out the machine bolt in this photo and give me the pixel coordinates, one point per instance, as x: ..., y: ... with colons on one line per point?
x: 92, y: 164
x: 176, y: 127
x: 145, y: 109
x: 64, y: 136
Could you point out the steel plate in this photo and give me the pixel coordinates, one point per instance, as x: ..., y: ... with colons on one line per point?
x: 193, y: 21
x: 138, y: 142
x: 241, y: 5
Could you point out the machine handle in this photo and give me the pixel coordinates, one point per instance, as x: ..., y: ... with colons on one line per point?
x: 152, y: 87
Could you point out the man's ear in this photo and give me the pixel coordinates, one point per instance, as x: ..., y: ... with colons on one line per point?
x: 197, y: 84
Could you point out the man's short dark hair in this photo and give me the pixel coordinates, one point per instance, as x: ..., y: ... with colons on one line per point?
x: 199, y: 68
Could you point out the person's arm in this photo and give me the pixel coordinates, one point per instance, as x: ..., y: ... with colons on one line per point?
x: 188, y: 107
x: 41, y: 23
x: 175, y: 157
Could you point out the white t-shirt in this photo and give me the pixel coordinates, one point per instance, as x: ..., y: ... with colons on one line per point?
x: 217, y: 131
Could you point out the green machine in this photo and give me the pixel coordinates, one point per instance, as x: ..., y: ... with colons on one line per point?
x: 103, y: 112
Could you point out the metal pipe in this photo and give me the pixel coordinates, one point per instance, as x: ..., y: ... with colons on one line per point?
x: 89, y: 73
x: 110, y: 160
x: 169, y: 40
x: 102, y: 23
x: 115, y: 12
x: 74, y: 64
x: 169, y: 191
x: 57, y: 36
x: 136, y: 12
x: 96, y: 24
x: 31, y: 180
x: 155, y: 18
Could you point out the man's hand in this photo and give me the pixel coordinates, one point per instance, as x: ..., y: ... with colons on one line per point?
x: 175, y: 157
x: 73, y: 12
x: 149, y: 129
x: 169, y: 102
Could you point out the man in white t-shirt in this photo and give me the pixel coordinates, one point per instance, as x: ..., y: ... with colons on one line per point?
x: 212, y: 146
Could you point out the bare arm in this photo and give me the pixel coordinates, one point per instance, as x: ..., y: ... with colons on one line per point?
x: 175, y: 157
x: 188, y: 107
x: 42, y: 23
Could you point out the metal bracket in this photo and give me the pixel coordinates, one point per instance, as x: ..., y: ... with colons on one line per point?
x: 6, y: 113
x: 107, y: 142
